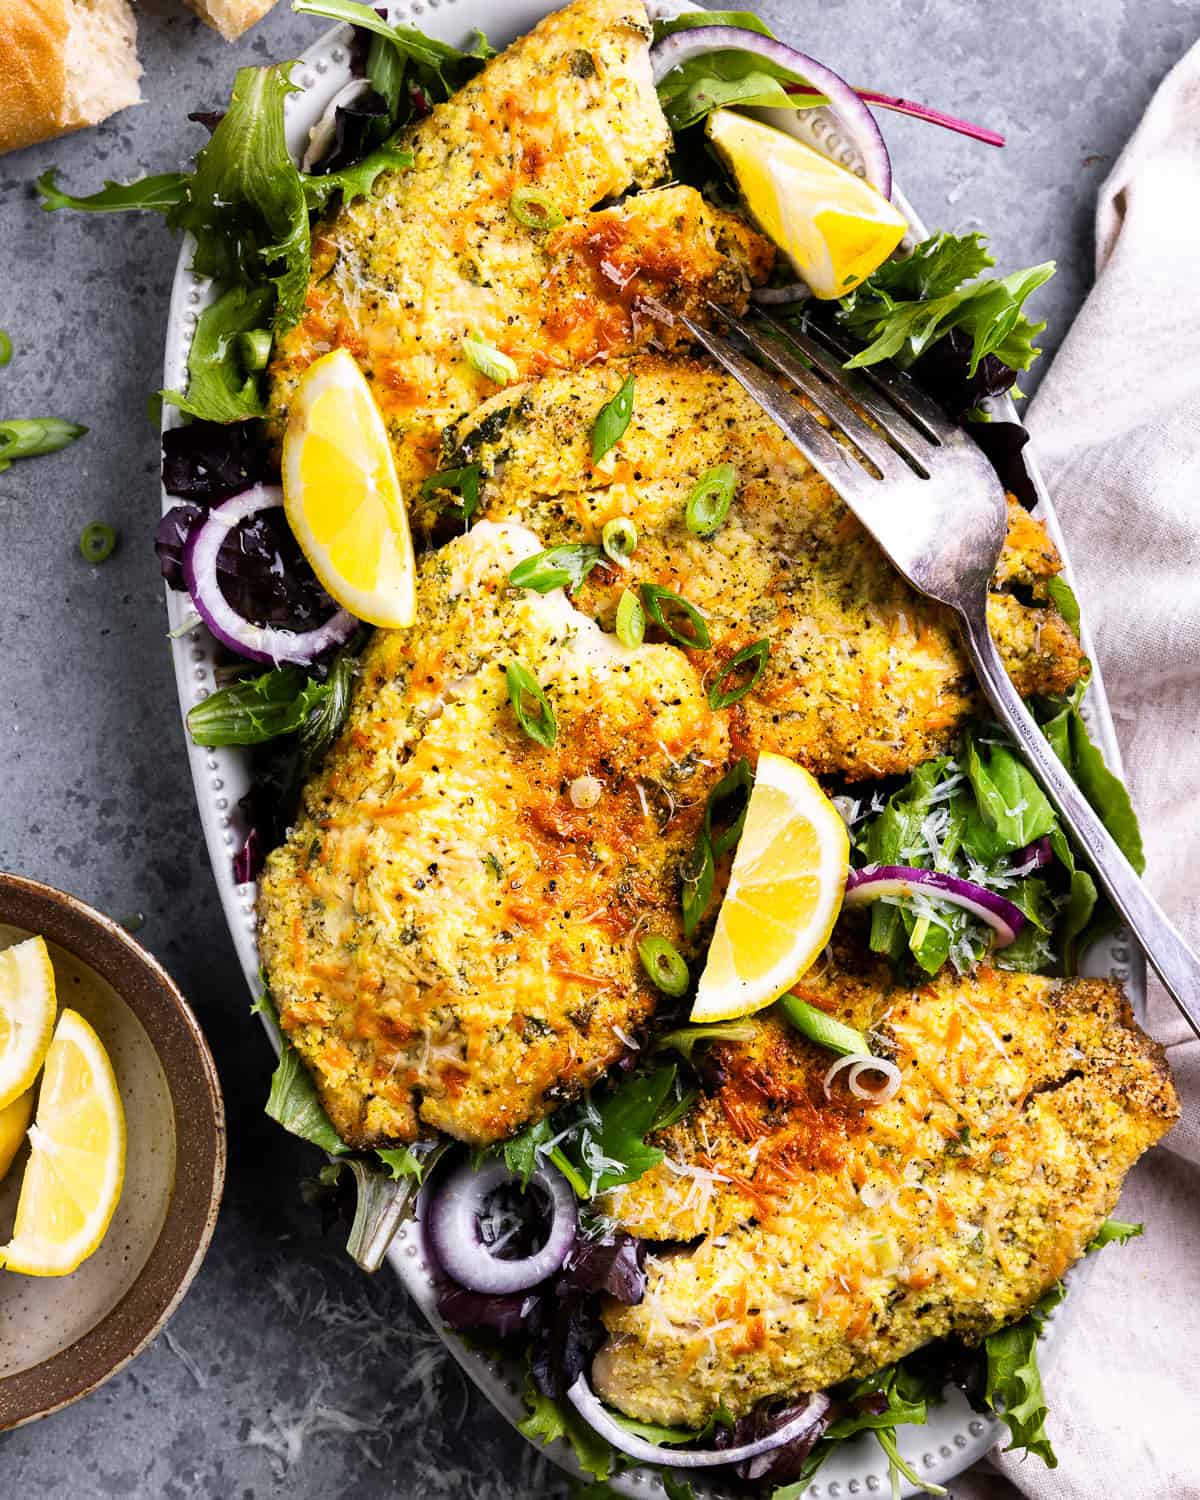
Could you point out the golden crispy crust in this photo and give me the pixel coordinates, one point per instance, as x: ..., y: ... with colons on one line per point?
x: 837, y: 1237
x: 437, y: 253
x: 865, y: 677
x: 449, y: 938
x: 33, y: 72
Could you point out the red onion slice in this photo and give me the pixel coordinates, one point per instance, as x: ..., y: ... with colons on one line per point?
x: 1034, y: 856
x: 851, y: 113
x: 592, y: 1410
x: 452, y: 1222
x: 1005, y: 919
x: 265, y: 643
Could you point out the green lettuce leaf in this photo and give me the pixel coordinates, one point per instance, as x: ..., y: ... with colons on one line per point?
x: 401, y: 1161
x: 901, y: 314
x: 1114, y: 1232
x: 256, y: 709
x: 1012, y: 808
x: 293, y: 1101
x: 161, y: 194
x: 549, y: 1420
x: 1014, y: 1383
x: 357, y: 181
x: 245, y: 202
x: 220, y: 388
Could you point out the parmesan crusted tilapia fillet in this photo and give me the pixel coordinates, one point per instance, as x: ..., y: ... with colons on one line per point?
x: 449, y: 933
x: 402, y: 277
x: 866, y: 678
x: 836, y: 1237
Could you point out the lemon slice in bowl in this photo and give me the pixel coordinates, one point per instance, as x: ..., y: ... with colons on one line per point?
x: 27, y: 1010
x: 342, y: 496
x: 834, y: 227
x: 785, y: 891
x: 14, y: 1122
x: 77, y: 1162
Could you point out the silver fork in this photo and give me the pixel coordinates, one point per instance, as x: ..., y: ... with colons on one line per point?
x: 935, y: 506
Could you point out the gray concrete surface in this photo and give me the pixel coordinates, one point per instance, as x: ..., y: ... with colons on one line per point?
x: 284, y: 1372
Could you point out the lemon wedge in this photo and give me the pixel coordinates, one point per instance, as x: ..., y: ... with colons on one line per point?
x: 784, y: 895
x: 77, y: 1162
x: 342, y: 497
x: 27, y: 1010
x: 14, y: 1122
x: 834, y: 227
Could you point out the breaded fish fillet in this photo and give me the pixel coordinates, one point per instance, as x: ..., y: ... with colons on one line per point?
x: 839, y: 1237
x: 865, y: 678
x: 402, y: 277
x: 449, y: 933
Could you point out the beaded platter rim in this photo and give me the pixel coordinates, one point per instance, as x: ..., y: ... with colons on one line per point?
x: 955, y: 1436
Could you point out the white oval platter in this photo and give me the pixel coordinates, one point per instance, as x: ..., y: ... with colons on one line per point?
x: 955, y: 1436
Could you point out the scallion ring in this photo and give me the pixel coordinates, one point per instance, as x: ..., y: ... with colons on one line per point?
x: 710, y: 499
x: 619, y: 538
x: 752, y: 660
x: 664, y: 607
x: 489, y: 361
x: 97, y: 542
x: 664, y: 964
x: 5, y: 348
x: 535, y: 209
x: 539, y: 722
x: 631, y: 620
x: 823, y: 1029
x: 254, y: 348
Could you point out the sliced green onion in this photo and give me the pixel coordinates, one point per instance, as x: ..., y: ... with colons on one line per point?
x: 462, y: 482
x: 664, y: 606
x: 750, y: 659
x: 631, y: 620
x: 538, y: 722
x: 535, y: 209
x: 30, y: 437
x: 710, y: 499
x: 562, y: 567
x: 5, y: 348
x: 254, y: 348
x: 725, y: 810
x: 664, y: 964
x: 489, y: 361
x: 620, y: 538
x: 823, y: 1029
x: 97, y: 542
x: 612, y: 419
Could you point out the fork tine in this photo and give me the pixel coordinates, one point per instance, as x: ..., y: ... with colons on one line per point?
x: 828, y: 397
x: 900, y: 389
x: 912, y: 440
x: 825, y: 454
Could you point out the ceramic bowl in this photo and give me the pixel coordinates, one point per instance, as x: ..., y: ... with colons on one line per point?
x: 61, y: 1337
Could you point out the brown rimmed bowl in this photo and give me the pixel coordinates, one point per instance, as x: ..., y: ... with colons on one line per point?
x: 61, y: 1337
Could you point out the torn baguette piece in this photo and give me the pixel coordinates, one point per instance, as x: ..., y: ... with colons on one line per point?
x: 64, y: 64
x: 231, y: 17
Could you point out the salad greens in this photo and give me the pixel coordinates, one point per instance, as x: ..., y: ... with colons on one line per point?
x: 725, y: 79
x: 908, y: 305
x: 972, y: 815
x: 257, y: 708
x: 600, y: 1142
x: 221, y: 388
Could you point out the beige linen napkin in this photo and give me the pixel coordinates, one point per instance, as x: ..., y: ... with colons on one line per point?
x: 1117, y: 429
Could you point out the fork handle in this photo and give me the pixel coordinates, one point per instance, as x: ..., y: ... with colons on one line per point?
x: 1171, y: 958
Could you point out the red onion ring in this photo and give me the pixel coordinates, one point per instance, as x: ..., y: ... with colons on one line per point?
x: 1034, y: 856
x: 850, y: 111
x: 452, y: 1222
x: 591, y: 1409
x: 1005, y: 919
x: 864, y: 1062
x: 265, y: 643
